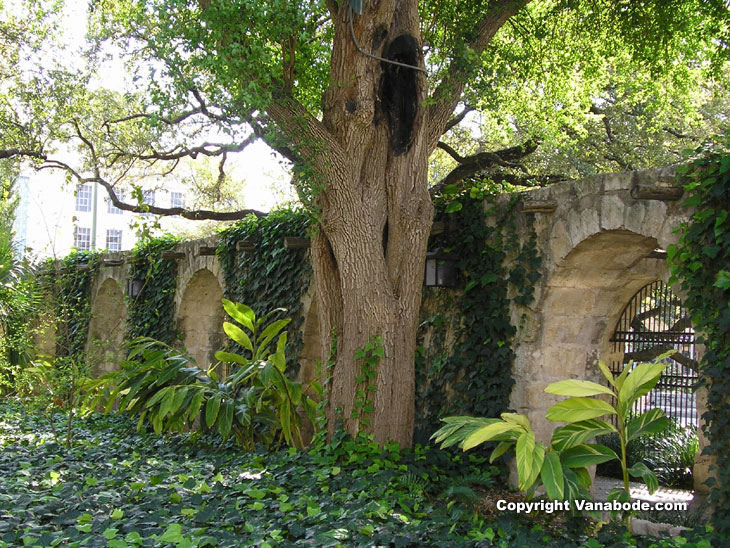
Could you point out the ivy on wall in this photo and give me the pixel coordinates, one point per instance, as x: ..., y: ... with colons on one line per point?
x: 701, y: 263
x: 67, y: 283
x: 152, y: 312
x: 466, y: 368
x: 271, y: 276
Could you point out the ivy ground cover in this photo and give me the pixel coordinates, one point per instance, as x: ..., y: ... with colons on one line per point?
x: 119, y: 488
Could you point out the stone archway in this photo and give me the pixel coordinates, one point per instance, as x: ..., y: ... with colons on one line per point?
x: 582, y: 301
x: 200, y: 317
x: 106, y: 328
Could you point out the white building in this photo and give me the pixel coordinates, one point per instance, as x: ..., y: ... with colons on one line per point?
x: 54, y: 216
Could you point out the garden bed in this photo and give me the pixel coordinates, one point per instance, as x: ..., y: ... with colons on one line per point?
x: 116, y: 487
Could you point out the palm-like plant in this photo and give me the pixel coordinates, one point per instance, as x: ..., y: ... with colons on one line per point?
x: 255, y: 402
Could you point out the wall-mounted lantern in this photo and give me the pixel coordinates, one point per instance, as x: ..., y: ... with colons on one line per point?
x: 441, y: 270
x: 134, y: 287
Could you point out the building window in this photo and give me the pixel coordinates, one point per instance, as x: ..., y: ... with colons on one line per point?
x: 148, y: 197
x: 83, y: 198
x: 110, y: 207
x: 177, y: 199
x: 82, y: 238
x: 114, y: 240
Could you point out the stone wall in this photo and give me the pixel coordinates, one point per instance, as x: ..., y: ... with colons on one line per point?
x: 598, y: 239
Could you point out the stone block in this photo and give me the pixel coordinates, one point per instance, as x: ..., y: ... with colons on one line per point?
x: 612, y: 212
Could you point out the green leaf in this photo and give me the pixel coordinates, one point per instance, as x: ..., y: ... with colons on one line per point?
x: 487, y: 433
x: 517, y: 419
x: 638, y: 383
x: 458, y: 428
x: 230, y: 357
x: 580, y: 432
x: 240, y: 313
x: 585, y: 455
x: 606, y: 372
x: 211, y: 410
x: 651, y: 422
x: 552, y: 476
x: 269, y: 333
x: 579, y: 409
x: 640, y: 470
x: 237, y: 334
x: 172, y: 534
x: 501, y: 449
x: 524, y: 449
x: 575, y: 387
x: 723, y: 280
x: 453, y: 207
x: 225, y: 419
x: 195, y: 404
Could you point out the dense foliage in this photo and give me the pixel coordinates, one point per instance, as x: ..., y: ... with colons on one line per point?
x: 152, y: 312
x: 252, y: 398
x: 119, y: 488
x: 271, y: 276
x: 700, y: 263
x: 476, y: 364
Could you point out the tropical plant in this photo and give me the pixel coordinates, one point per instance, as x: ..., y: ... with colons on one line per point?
x: 255, y: 401
x: 562, y: 467
x: 52, y: 385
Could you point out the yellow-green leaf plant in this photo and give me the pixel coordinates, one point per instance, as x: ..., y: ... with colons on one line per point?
x: 562, y: 468
x: 582, y: 411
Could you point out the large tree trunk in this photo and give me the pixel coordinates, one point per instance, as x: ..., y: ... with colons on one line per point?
x: 368, y: 254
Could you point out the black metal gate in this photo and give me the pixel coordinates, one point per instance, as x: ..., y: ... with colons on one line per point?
x: 655, y: 322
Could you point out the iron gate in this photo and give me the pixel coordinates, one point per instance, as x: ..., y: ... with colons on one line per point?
x: 652, y: 323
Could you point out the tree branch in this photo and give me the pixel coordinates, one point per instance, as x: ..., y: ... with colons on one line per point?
x: 483, y: 161
x: 457, y: 119
x: 193, y: 214
x: 447, y: 94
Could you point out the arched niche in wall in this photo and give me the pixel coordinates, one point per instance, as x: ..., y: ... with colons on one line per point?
x: 106, y: 328
x: 583, y: 300
x: 200, y: 317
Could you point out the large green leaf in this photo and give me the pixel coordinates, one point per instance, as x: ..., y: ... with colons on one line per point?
x: 587, y: 454
x: 638, y: 383
x: 640, y: 470
x: 537, y: 459
x: 237, y: 334
x: 574, y: 387
x: 524, y: 450
x: 552, y: 476
x: 580, y: 432
x: 606, y: 372
x: 579, y: 409
x: 501, y: 449
x: 517, y: 419
x: 487, y: 433
x: 651, y: 422
x: 271, y: 331
x: 211, y: 410
x: 225, y: 418
x: 240, y: 313
x: 457, y: 429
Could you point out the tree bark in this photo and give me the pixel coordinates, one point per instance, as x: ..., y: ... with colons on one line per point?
x: 376, y: 213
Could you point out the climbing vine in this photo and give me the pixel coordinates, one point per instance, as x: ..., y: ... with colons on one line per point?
x: 701, y: 263
x: 152, y: 312
x: 466, y: 366
x: 269, y: 276
x: 67, y: 285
